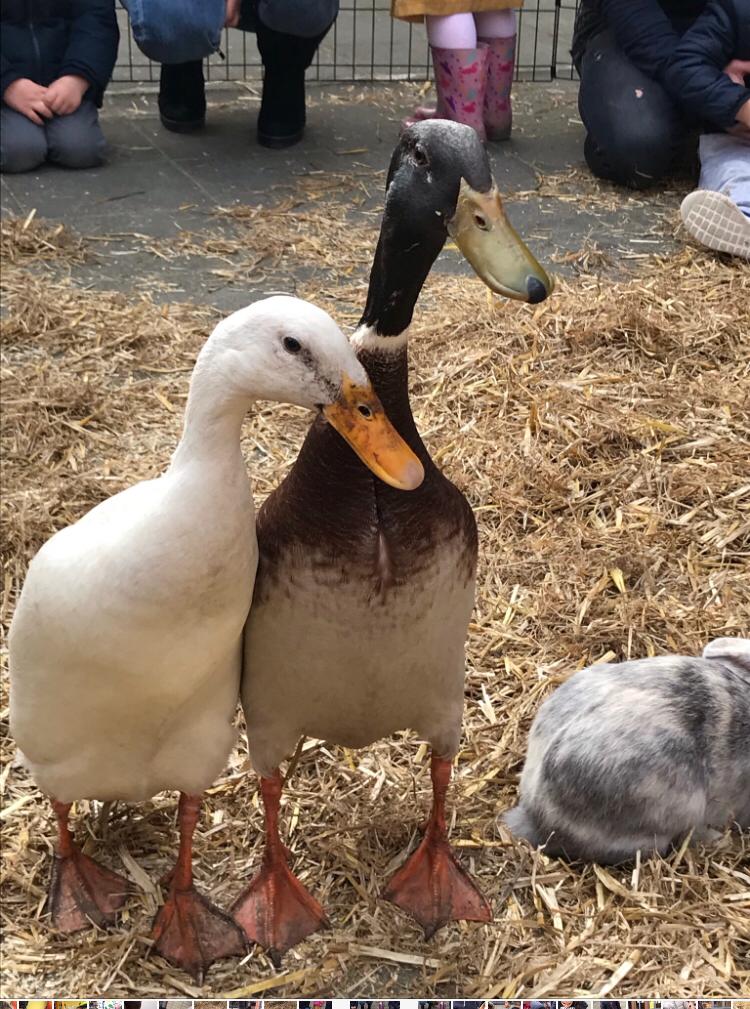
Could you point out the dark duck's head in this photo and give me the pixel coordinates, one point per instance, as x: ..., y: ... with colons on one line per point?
x: 440, y: 184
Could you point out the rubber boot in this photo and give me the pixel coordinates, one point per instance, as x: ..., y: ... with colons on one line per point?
x: 498, y: 115
x: 182, y: 96
x: 460, y: 82
x: 281, y: 121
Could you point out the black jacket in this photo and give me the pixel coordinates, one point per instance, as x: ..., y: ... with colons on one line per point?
x: 682, y: 44
x: 694, y: 74
x: 46, y: 39
x: 647, y: 31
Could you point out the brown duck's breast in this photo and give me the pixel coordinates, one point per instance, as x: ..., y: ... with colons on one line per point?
x: 333, y: 516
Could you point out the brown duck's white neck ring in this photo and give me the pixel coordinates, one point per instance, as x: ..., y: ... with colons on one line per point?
x: 367, y: 338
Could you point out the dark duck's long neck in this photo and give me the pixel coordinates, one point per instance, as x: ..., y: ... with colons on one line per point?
x: 402, y: 262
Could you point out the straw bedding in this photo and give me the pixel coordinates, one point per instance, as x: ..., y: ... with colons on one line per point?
x: 603, y: 438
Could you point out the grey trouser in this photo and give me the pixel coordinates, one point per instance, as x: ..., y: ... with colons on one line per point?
x: 74, y: 141
x: 725, y: 167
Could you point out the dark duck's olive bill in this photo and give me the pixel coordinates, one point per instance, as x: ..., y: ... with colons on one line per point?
x: 360, y: 419
x: 490, y: 243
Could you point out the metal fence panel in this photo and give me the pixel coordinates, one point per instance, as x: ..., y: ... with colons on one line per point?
x: 367, y: 44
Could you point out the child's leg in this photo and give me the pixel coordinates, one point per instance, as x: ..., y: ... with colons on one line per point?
x: 451, y: 31
x: 725, y: 167
x: 77, y: 141
x: 496, y: 24
x: 23, y: 144
x: 460, y: 71
x: 498, y: 30
x: 718, y: 213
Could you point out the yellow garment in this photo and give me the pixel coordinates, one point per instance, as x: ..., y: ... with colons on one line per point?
x: 415, y: 10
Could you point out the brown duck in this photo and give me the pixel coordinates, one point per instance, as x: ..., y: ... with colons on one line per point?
x: 364, y: 593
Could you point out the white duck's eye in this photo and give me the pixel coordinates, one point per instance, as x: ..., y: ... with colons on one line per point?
x: 290, y: 345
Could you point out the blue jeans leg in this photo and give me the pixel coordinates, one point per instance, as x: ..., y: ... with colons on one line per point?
x: 23, y: 144
x: 76, y: 141
x: 634, y: 129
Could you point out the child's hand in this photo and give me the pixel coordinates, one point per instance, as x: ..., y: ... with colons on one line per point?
x: 29, y: 99
x: 232, y: 13
x: 64, y: 95
x: 737, y: 70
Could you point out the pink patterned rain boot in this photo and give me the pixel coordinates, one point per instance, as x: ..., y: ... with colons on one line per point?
x: 460, y: 81
x: 498, y: 115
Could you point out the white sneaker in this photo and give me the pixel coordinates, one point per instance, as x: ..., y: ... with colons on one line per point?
x: 715, y: 221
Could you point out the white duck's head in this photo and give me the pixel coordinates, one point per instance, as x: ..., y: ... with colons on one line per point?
x: 287, y: 350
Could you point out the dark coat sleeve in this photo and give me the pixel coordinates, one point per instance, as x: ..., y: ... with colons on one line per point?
x: 644, y: 33
x: 694, y: 76
x: 8, y: 73
x: 92, y: 43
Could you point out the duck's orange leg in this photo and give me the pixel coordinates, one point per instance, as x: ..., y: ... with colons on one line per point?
x: 81, y: 891
x: 189, y: 930
x: 432, y: 886
x: 276, y: 911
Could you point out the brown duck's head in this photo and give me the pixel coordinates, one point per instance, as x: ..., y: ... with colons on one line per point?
x: 440, y: 184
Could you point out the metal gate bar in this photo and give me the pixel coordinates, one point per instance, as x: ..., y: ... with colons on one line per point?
x: 367, y: 44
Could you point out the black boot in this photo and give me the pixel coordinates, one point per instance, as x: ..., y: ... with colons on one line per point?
x: 281, y: 121
x: 182, y: 96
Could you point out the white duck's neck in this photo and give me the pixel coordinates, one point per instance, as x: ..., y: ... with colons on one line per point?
x: 213, y: 417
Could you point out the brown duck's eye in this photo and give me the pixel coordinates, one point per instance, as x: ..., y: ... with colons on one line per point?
x: 291, y: 346
x: 365, y: 410
x: 481, y: 222
x: 420, y: 155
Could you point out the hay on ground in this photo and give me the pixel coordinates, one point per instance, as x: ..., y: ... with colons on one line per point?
x: 603, y: 439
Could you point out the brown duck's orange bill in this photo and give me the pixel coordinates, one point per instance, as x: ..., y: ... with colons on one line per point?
x: 483, y: 233
x: 360, y: 419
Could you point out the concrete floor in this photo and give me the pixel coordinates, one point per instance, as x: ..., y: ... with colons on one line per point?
x: 157, y: 183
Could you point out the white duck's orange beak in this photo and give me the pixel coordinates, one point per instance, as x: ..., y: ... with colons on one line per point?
x: 360, y: 419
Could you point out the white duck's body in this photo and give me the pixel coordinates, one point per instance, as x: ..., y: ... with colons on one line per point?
x: 125, y: 649
x: 126, y: 642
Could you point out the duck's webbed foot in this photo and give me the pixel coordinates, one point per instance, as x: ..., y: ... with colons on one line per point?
x: 189, y: 930
x: 81, y: 891
x: 432, y: 886
x: 193, y: 933
x: 276, y: 911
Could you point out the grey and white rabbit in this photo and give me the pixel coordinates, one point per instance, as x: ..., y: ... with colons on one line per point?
x: 634, y: 755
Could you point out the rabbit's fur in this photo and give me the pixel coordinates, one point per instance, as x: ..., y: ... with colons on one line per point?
x: 634, y: 755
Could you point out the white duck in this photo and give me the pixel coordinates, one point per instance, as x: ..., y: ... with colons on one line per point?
x: 125, y: 647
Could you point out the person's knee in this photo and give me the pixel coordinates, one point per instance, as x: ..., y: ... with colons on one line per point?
x: 637, y: 155
x: 77, y: 146
x: 22, y: 151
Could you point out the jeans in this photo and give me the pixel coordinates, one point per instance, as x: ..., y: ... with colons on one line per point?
x: 181, y: 31
x: 634, y: 130
x: 725, y: 167
x: 73, y: 141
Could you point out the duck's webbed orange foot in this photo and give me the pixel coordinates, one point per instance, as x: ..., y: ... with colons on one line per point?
x: 81, y: 892
x: 432, y: 886
x: 276, y: 911
x: 189, y: 930
x: 193, y: 933
x: 434, y: 889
